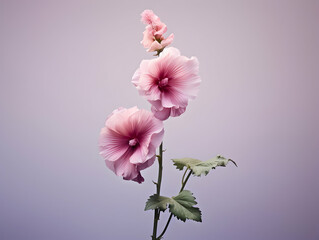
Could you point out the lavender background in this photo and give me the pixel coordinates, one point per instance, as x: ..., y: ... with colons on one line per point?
x: 65, y: 65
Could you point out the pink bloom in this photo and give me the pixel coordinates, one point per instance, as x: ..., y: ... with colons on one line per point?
x: 168, y: 82
x: 153, y: 38
x: 129, y: 140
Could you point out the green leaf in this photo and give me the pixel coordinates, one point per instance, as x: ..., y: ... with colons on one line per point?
x: 182, y: 207
x: 199, y: 167
x: 155, y: 201
x: 185, y: 162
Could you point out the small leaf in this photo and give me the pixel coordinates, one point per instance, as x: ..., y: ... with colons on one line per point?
x: 199, y: 167
x: 182, y: 207
x: 155, y: 201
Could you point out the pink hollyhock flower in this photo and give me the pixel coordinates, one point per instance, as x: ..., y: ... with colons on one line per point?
x: 153, y: 38
x: 168, y: 82
x: 129, y: 140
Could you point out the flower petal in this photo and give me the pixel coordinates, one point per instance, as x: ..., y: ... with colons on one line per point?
x: 138, y: 179
x: 174, y: 98
x: 177, y: 111
x: 147, y: 164
x: 148, y: 37
x: 112, y: 145
x: 155, y: 46
x: 123, y: 168
x: 156, y: 140
x: 168, y: 40
x: 161, y: 114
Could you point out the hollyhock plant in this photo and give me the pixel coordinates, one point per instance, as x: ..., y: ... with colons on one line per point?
x: 153, y: 38
x: 168, y: 82
x: 129, y: 140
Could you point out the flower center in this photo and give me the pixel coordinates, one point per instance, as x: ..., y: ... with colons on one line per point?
x: 163, y: 82
x: 133, y: 142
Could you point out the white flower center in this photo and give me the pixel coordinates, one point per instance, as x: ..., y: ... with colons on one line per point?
x: 133, y: 142
x: 163, y: 82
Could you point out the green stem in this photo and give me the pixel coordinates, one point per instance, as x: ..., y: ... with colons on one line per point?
x: 158, y: 190
x: 170, y: 216
x: 166, y: 226
x: 160, y: 169
x: 184, y: 176
x: 184, y: 184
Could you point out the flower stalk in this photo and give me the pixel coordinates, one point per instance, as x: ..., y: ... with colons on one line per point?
x: 158, y: 190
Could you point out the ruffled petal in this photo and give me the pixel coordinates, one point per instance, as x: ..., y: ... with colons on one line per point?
x: 139, y: 155
x: 155, y: 46
x: 136, y: 77
x: 161, y: 114
x: 124, y: 168
x: 171, y: 51
x: 168, y: 40
x: 160, y: 29
x: 148, y: 17
x: 147, y: 164
x: 112, y: 145
x: 157, y: 105
x: 177, y: 111
x: 138, y: 179
x: 148, y: 37
x: 156, y: 140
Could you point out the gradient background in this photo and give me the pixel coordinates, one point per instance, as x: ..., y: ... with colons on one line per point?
x: 65, y: 65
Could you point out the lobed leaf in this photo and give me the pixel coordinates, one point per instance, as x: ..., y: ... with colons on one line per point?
x: 185, y: 162
x: 180, y: 206
x: 155, y: 201
x: 199, y: 167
